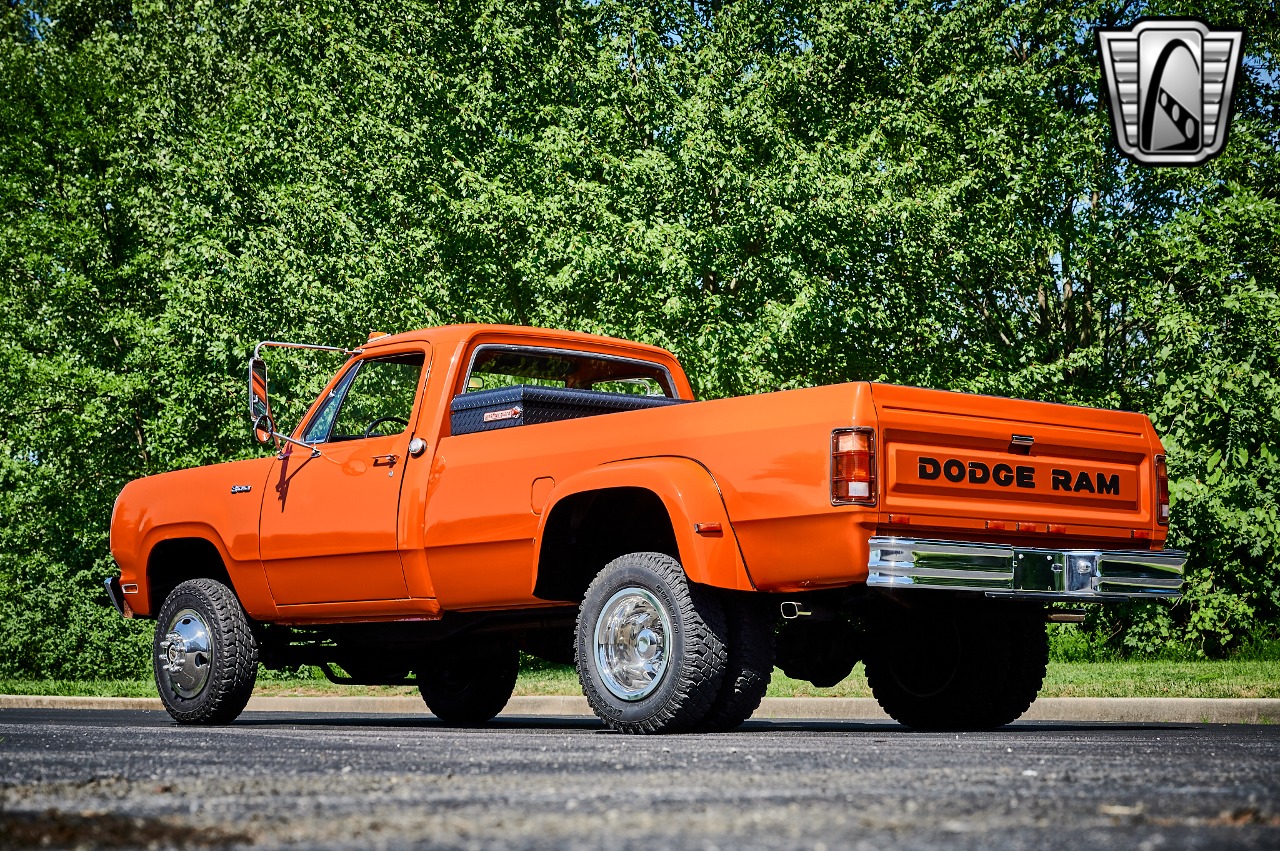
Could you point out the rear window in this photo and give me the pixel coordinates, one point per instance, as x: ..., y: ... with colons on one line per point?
x: 507, y: 366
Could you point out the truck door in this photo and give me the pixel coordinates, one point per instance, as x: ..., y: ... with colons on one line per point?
x: 328, y: 526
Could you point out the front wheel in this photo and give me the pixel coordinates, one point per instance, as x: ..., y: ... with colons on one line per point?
x: 206, y: 658
x: 651, y: 647
x: 469, y: 688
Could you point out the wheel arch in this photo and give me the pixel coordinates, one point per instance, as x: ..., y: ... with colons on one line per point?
x: 188, y: 551
x: 643, y: 504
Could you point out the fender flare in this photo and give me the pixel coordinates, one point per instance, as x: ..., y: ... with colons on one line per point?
x: 243, y: 576
x: 690, y: 495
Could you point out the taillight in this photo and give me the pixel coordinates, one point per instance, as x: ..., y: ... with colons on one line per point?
x: 853, y: 466
x: 1162, y: 491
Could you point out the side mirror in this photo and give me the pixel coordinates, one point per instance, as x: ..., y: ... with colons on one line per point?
x: 264, y: 427
x: 263, y: 430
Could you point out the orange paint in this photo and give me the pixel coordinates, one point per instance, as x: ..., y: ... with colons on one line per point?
x: 369, y: 531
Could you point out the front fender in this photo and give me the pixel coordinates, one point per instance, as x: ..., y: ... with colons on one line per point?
x: 140, y: 601
x: 691, y: 496
x: 202, y: 503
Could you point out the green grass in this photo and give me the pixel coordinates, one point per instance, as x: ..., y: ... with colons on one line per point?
x: 552, y: 679
x: 80, y: 688
x: 1065, y: 679
x: 1103, y: 679
x: 1163, y: 679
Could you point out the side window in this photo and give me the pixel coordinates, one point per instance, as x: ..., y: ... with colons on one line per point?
x: 379, y: 400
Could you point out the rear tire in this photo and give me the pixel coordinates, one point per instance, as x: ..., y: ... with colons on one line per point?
x: 205, y: 657
x: 938, y: 670
x: 1028, y: 661
x: 650, y: 647
x: 750, y: 663
x: 469, y: 689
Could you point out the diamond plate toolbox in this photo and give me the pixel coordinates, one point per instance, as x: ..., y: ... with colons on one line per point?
x: 526, y: 404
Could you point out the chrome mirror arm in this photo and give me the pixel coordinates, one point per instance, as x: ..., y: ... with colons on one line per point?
x: 315, y: 453
x: 257, y: 350
x: 259, y: 403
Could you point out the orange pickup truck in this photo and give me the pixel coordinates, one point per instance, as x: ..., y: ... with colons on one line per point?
x: 457, y: 495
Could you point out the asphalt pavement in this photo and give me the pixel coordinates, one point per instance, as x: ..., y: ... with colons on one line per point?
x: 86, y: 778
x: 1178, y: 710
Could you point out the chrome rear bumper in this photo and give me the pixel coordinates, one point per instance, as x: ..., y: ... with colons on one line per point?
x: 1005, y: 571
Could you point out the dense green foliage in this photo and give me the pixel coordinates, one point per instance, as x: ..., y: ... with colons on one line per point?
x: 784, y: 193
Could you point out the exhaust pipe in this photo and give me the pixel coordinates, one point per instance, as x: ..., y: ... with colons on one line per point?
x: 1076, y: 616
x: 792, y: 610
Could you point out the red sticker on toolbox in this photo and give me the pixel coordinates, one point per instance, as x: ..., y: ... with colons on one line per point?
x: 508, y: 414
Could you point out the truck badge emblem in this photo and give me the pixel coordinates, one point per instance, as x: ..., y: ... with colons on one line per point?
x: 1169, y: 82
x: 505, y: 414
x: 241, y: 488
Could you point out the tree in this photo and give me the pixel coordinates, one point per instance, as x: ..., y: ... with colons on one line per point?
x: 785, y: 194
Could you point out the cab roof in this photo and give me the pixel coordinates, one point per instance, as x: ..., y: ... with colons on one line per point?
x: 448, y: 334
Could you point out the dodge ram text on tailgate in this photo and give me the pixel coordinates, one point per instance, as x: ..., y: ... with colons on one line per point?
x: 460, y: 494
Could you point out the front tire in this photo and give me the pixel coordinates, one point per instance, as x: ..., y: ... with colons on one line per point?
x: 650, y: 651
x: 469, y: 689
x: 205, y: 656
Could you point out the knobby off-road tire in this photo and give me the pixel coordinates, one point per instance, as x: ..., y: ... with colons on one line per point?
x: 651, y: 647
x: 942, y: 670
x: 467, y: 689
x: 933, y: 671
x: 749, y: 667
x: 204, y: 654
x: 1028, y: 661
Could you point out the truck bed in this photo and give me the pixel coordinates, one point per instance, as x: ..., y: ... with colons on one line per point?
x: 770, y: 455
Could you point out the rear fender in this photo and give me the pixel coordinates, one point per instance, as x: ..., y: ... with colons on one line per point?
x: 691, y: 497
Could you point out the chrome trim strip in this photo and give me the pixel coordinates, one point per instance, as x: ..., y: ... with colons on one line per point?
x: 943, y: 573
x: 902, y: 549
x: 1025, y: 572
x: 1078, y: 597
x: 1149, y: 584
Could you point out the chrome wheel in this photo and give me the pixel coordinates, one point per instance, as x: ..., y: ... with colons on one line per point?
x: 631, y: 643
x: 186, y: 652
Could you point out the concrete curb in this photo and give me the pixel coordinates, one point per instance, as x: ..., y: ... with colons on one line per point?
x: 1179, y: 710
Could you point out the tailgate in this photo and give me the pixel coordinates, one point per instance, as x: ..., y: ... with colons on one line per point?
x: 954, y: 460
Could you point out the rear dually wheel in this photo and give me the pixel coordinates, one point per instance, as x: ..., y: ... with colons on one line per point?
x: 651, y: 647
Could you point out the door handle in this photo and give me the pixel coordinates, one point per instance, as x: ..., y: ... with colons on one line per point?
x: 388, y: 460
